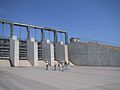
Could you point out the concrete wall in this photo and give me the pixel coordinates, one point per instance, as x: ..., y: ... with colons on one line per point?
x: 94, y: 54
x: 14, y: 51
x: 61, y: 52
x: 48, y: 52
x: 32, y: 52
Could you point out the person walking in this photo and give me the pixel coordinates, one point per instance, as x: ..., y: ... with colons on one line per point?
x: 68, y: 65
x: 65, y: 64
x: 47, y: 65
x: 58, y: 66
x: 62, y: 65
x: 55, y: 66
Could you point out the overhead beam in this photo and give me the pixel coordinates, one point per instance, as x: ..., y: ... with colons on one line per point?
x: 31, y: 26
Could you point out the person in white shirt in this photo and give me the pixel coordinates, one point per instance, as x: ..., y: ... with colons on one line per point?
x: 47, y: 65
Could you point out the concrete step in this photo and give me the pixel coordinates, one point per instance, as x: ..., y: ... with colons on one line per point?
x: 24, y: 63
x: 71, y: 64
x: 41, y: 63
x: 4, y: 63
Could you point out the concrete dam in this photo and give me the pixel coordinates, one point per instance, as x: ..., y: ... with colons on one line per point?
x: 15, y: 51
x: 93, y: 54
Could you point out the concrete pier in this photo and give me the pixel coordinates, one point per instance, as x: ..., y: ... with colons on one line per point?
x: 61, y: 52
x: 14, y: 51
x: 32, y: 52
x: 48, y: 52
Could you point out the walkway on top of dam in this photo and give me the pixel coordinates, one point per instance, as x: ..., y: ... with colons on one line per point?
x: 78, y: 78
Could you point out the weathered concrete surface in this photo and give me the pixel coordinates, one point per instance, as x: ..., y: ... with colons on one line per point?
x: 32, y: 52
x: 48, y: 52
x: 4, y: 63
x: 61, y: 52
x: 78, y: 78
x: 94, y: 54
x: 41, y: 63
x: 14, y: 51
x: 24, y: 63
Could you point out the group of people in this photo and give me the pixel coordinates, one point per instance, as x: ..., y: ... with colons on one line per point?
x: 60, y: 66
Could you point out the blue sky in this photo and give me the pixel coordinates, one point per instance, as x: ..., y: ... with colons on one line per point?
x: 92, y: 19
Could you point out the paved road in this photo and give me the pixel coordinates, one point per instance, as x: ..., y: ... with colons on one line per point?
x: 78, y: 78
